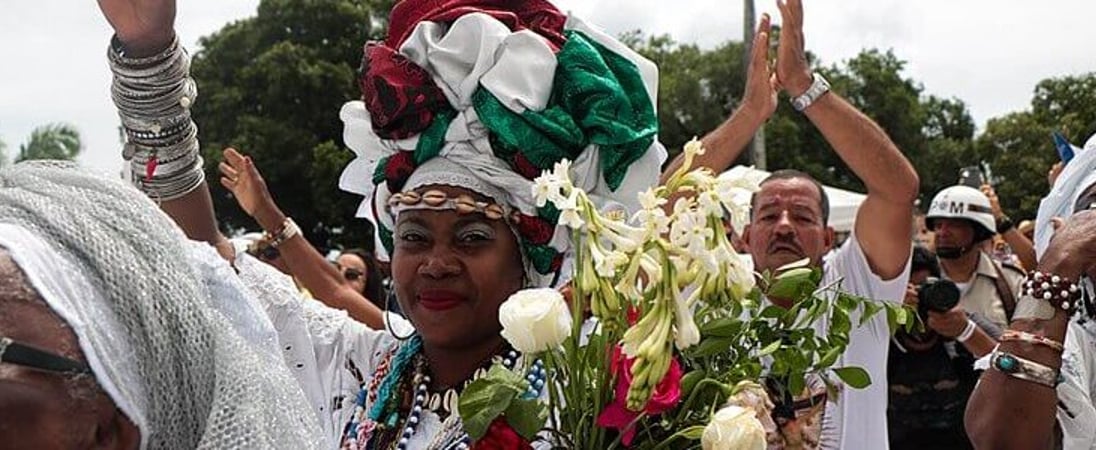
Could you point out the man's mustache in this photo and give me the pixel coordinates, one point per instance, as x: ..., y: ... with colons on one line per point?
x: 785, y: 244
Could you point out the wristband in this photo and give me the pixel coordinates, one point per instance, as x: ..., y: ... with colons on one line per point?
x: 967, y: 332
x: 1004, y: 224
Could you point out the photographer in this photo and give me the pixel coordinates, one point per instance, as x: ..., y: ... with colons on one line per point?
x: 930, y: 377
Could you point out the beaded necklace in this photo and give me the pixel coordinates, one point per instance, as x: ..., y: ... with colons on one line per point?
x: 376, y: 428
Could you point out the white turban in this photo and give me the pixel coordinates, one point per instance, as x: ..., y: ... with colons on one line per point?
x: 1079, y: 174
x: 154, y: 331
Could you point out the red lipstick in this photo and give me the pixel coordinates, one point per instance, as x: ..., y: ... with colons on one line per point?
x: 439, y: 299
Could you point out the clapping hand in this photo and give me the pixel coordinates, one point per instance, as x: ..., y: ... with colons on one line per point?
x: 792, y: 70
x: 762, y: 86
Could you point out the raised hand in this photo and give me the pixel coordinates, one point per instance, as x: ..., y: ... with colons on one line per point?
x: 144, y: 26
x: 239, y: 175
x: 994, y: 202
x: 792, y: 69
x: 1072, y: 250
x: 762, y: 86
x: 1052, y: 174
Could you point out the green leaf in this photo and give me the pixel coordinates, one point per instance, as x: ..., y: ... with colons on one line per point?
x: 690, y: 380
x: 892, y: 318
x: 830, y: 357
x: 526, y: 416
x: 839, y: 322
x: 797, y: 382
x: 722, y: 327
x: 486, y: 398
x: 712, y: 346
x: 791, y: 284
x: 870, y: 309
x: 769, y: 349
x: 855, y: 377
x: 772, y: 312
x: 693, y: 433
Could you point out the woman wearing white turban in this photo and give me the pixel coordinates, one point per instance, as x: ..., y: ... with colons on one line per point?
x: 115, y: 332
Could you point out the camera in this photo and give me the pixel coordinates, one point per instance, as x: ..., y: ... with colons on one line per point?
x: 936, y: 294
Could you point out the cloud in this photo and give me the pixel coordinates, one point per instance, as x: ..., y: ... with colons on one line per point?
x: 988, y: 53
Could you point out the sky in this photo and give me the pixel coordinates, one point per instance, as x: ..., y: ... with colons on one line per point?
x: 988, y: 53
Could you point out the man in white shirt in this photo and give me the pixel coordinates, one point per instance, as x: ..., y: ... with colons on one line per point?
x: 790, y: 212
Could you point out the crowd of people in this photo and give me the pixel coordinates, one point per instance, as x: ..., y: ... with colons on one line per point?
x: 128, y: 320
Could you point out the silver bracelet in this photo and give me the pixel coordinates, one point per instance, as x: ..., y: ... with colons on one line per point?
x: 1023, y: 369
x: 174, y: 185
x: 153, y: 96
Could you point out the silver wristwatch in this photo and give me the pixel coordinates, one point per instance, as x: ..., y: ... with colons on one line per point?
x: 818, y: 88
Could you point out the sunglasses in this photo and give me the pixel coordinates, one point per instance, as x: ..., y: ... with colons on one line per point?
x: 27, y: 356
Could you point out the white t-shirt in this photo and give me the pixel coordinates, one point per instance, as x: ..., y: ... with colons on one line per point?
x: 857, y: 420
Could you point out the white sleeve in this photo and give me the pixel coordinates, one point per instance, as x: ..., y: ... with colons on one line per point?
x: 1077, y: 406
x: 228, y: 295
x: 330, y: 354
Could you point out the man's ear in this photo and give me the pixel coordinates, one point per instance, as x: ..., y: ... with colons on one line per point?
x: 829, y: 237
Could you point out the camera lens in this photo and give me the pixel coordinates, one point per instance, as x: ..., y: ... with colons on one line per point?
x: 937, y: 294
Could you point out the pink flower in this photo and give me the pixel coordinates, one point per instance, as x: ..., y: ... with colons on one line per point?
x: 665, y: 397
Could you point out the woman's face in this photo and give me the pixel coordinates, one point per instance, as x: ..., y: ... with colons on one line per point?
x: 353, y: 270
x: 451, y: 272
x: 49, y: 410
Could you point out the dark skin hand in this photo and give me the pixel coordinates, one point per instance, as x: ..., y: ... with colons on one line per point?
x: 240, y: 176
x: 1008, y: 413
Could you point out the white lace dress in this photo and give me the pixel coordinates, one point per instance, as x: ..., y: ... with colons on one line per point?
x: 331, y: 354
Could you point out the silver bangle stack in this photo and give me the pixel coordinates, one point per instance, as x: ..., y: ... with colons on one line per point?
x: 153, y: 95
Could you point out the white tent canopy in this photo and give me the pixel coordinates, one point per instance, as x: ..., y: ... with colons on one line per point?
x: 843, y: 206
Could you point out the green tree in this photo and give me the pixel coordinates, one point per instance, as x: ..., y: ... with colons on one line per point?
x: 53, y: 141
x: 271, y: 86
x: 1018, y: 146
x: 3, y: 154
x: 697, y: 88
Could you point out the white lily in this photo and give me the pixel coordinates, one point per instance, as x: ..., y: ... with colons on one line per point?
x: 569, y: 214
x: 562, y: 172
x: 547, y: 188
x: 649, y: 199
x: 686, y: 332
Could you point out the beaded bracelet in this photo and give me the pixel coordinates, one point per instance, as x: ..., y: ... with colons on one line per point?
x: 288, y: 231
x: 1056, y: 290
x: 1022, y: 336
x: 1023, y: 369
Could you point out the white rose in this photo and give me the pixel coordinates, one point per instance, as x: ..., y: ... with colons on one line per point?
x: 535, y: 320
x: 733, y: 428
